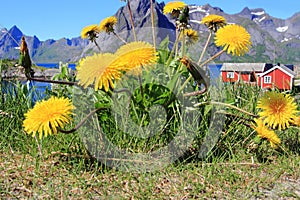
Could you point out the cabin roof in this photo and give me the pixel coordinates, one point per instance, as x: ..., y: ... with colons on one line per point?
x: 244, y: 67
x: 284, y: 68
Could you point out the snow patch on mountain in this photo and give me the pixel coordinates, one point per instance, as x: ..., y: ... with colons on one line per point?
x: 195, y: 21
x: 286, y: 39
x: 261, y: 19
x: 258, y: 20
x: 198, y: 9
x: 282, y: 29
x: 258, y: 13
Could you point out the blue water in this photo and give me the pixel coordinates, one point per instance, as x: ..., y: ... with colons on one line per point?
x: 38, y: 88
x: 55, y: 65
x: 213, y: 68
x: 214, y: 72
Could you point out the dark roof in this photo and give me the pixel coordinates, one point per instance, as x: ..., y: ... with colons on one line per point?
x: 279, y: 66
x: 291, y: 67
x: 287, y: 69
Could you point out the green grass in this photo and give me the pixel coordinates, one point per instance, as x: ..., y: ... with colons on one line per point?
x: 59, y: 167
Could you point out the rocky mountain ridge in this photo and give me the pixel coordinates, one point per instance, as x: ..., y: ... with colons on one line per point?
x: 65, y: 50
x: 274, y: 40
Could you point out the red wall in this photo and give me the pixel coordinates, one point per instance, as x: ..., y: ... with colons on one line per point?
x: 279, y: 79
x: 225, y: 79
x: 237, y: 76
x: 245, y: 77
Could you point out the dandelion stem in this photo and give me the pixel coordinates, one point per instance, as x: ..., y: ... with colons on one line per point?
x: 237, y: 116
x: 153, y: 25
x: 52, y: 81
x: 182, y: 43
x: 39, y: 147
x: 172, y: 51
x: 97, y: 45
x: 205, y: 48
x: 212, y: 58
x: 117, y: 35
x: 199, y: 92
x: 185, y: 83
x: 81, y: 122
x: 226, y: 105
x: 176, y: 43
x: 131, y: 20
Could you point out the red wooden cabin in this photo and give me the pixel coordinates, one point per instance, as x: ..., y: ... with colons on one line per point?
x: 264, y: 75
x: 279, y: 77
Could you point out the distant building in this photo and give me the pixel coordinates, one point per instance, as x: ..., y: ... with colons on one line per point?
x: 264, y: 75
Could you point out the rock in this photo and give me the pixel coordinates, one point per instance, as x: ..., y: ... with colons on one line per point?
x: 18, y: 73
x: 50, y: 72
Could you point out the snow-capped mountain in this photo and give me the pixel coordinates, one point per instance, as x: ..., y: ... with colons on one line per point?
x: 273, y: 39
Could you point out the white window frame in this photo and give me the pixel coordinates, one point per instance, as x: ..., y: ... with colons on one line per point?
x: 230, y: 75
x: 268, y: 79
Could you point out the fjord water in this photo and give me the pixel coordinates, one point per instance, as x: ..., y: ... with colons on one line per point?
x: 35, y: 88
x: 55, y: 65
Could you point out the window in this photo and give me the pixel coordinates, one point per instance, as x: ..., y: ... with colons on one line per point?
x: 267, y: 79
x: 230, y: 75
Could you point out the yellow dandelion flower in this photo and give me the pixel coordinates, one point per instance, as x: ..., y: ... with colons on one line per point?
x: 47, y: 116
x: 90, y: 32
x: 277, y: 109
x: 97, y: 70
x: 234, y: 38
x: 265, y: 133
x: 174, y: 8
x: 213, y: 22
x: 107, y: 24
x: 135, y: 55
x: 191, y: 36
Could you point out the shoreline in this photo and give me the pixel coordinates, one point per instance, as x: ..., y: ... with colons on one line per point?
x: 18, y: 73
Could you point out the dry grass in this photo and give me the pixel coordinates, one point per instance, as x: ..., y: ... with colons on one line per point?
x: 23, y: 176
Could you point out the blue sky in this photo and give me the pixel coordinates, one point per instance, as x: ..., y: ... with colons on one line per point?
x: 56, y: 19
